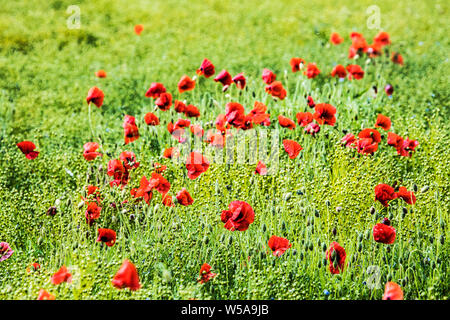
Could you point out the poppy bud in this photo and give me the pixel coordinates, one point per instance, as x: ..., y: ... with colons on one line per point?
x: 132, y: 216
x: 328, y: 203
x: 324, y: 248
x: 206, y: 240
x: 415, y: 188
x: 80, y: 204
x: 287, y: 196
x: 299, y: 192
x: 230, y: 240
x: 404, y: 211
x: 316, y: 213
x: 372, y: 210
x: 389, y: 89
x: 264, y: 227
x: 360, y: 247
x: 334, y: 231
x: 386, y: 221
x: 51, y: 211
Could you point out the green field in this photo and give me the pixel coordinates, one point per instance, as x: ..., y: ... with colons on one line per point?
x: 324, y: 195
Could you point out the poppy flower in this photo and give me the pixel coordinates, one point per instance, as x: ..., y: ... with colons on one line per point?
x: 44, y: 295
x: 268, y: 76
x: 339, y: 71
x: 349, y: 140
x: 179, y: 106
x: 207, y: 69
x: 311, y: 70
x: 310, y: 102
x: 197, y: 130
x: 335, y: 38
x: 5, y: 251
x: 355, y: 71
x: 96, y: 96
x: 118, y: 172
x: 384, y: 193
x: 151, y: 119
x: 240, y: 80
x: 100, y: 74
x: 370, y: 134
x: 286, y: 122
x: 155, y: 90
x: 234, y: 114
x: 167, y: 200
x: 131, y: 133
x: 239, y: 216
x: 126, y: 277
x: 397, y: 58
x: 170, y: 153
x: 408, y: 147
x: 394, y: 140
x: 258, y: 108
x: 366, y: 146
x: 128, y: 159
x: 138, y: 29
x: 161, y: 184
x: 144, y: 191
x: 261, y: 169
x: 184, y: 198
x: 383, y: 233
x: 407, y: 196
x: 292, y: 148
x: 205, y: 273
x: 304, y: 118
x: 278, y: 245
x: 34, y: 266
x: 164, y: 101
x: 217, y: 139
x: 392, y: 291
x: 336, y: 256
x: 92, y: 212
x: 224, y: 77
x: 90, y: 149
x: 27, y: 148
x: 186, y: 84
x: 325, y: 114
x: 276, y: 89
x: 196, y: 164
x: 383, y: 122
x: 358, y: 42
x: 297, y: 64
x: 374, y: 50
x: 191, y: 111
x: 382, y: 38
x: 62, y: 275
x: 312, y: 129
x: 92, y: 193
x: 108, y: 236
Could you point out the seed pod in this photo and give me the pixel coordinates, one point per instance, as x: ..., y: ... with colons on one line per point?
x: 206, y: 240
x: 415, y: 188
x: 317, y: 213
x: 264, y: 228
x: 372, y: 210
x: 132, y: 217
x: 327, y: 203
x: 334, y: 231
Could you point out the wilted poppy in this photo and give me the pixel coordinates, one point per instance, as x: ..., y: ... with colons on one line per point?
x: 268, y: 76
x: 239, y: 216
x: 184, y: 198
x: 100, y: 74
x: 138, y: 29
x: 240, y: 80
x: 27, y: 148
x: 196, y: 164
x: 90, y: 149
x: 92, y: 193
x: 383, y: 233
x: 261, y: 168
x: 151, y: 119
x: 286, y: 122
x: 205, y: 273
x: 96, y: 96
x: 33, y: 267
x: 355, y: 71
x: 383, y: 122
x: 384, y: 193
x: 336, y: 256
x: 392, y: 291
x: 407, y: 196
x: 44, y: 295
x: 108, y: 236
x: 186, y: 84
x: 278, y: 245
x: 92, y: 212
x: 389, y: 89
x: 297, y: 64
x: 304, y: 118
x: 335, y: 38
x: 339, y: 71
x: 155, y: 90
x: 126, y: 277
x: 207, y: 69
x: 62, y: 275
x: 311, y: 70
x: 276, y: 89
x: 292, y: 148
x: 5, y: 251
x: 325, y: 114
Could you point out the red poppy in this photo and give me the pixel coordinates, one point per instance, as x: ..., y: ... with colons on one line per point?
x: 374, y: 50
x: 27, y: 148
x: 310, y: 102
x: 370, y: 134
x: 206, y: 68
x: 261, y: 169
x: 144, y: 191
x: 36, y: 266
x: 224, y: 77
x: 108, y: 236
x: 131, y: 132
x: 297, y: 64
x: 179, y: 106
x: 366, y: 146
x: 382, y: 38
x: 397, y: 58
x: 355, y: 71
x: 336, y: 39
x: 268, y: 76
x: 408, y: 147
x: 359, y: 44
x: 89, y: 152
x: 292, y: 148
x: 336, y: 256
x: 240, y: 80
x: 304, y: 118
x: 128, y: 159
x: 197, y: 130
x: 205, y: 273
x: 349, y: 140
x: 339, y: 71
x: 155, y: 90
x: 164, y: 101
x: 170, y: 153
x: 96, y: 96
x: 395, y: 140
x: 217, y: 139
x: 196, y: 164
x: 276, y: 89
x: 184, y: 198
x: 311, y: 70
x: 159, y: 168
x: 384, y: 193
x: 100, y: 74
x: 138, y: 29
x: 221, y: 120
x: 93, y: 193
x: 286, y: 122
x: 167, y: 200
x: 186, y: 84
x: 312, y: 129
x: 234, y: 114
x: 118, y: 171
x: 239, y: 216
x: 407, y: 196
x: 92, y: 212
x: 161, y: 184
x: 392, y: 291
x: 151, y: 119
x: 44, y: 295
x: 383, y: 122
x: 278, y: 245
x: 62, y: 275
x: 325, y: 114
x: 191, y: 111
x: 383, y: 233
x: 126, y: 277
